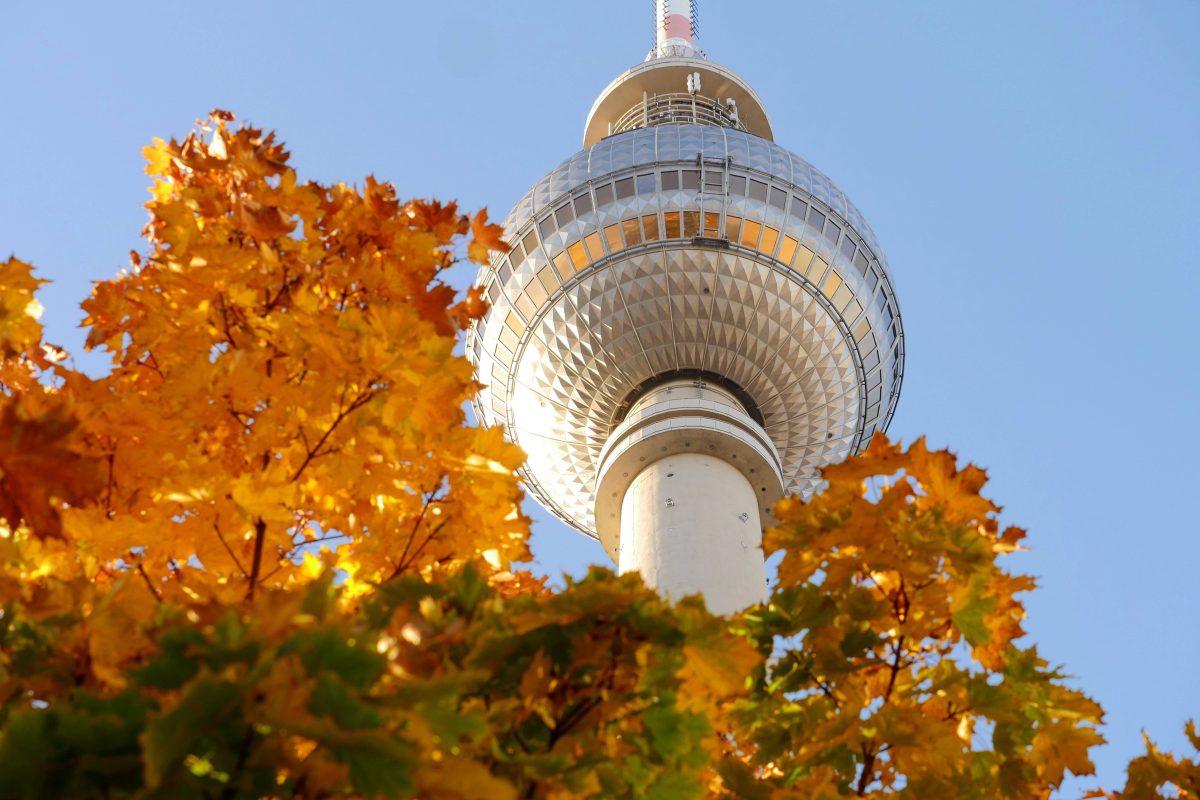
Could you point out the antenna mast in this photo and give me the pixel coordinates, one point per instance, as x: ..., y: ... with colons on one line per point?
x: 675, y: 29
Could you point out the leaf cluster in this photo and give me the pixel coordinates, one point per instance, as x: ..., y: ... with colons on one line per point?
x: 265, y: 556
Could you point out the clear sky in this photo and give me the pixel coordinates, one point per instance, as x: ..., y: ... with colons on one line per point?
x: 1030, y: 167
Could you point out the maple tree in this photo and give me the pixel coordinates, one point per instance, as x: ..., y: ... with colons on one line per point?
x: 265, y: 556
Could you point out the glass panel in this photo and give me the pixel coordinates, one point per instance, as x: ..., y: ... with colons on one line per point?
x: 530, y: 241
x: 671, y: 225
x: 861, y: 329
x: 650, y: 226
x: 516, y: 323
x: 624, y: 188
x: 499, y: 375
x: 712, y: 222
x: 563, y: 265
x: 691, y: 180
x: 737, y: 185
x: 604, y: 194
x: 860, y: 262
x: 798, y: 208
x: 832, y: 284
x: 503, y: 355
x: 758, y: 191
x: 494, y: 292
x: 816, y: 269
x: 832, y: 232
x: 645, y: 184
x: 770, y: 236
x: 563, y: 214
x: 578, y: 257
x: 583, y: 204
x: 509, y: 337
x: 592, y: 241
x: 546, y: 226
x: 516, y: 254
x: 852, y: 311
x: 816, y: 219
x: 505, y: 272
x: 633, y: 233
x: 714, y: 180
x: 548, y: 279
x: 803, y: 259
x: 787, y: 250
x: 778, y: 198
x: 750, y: 232
x: 732, y: 226
x: 536, y: 293
x: 526, y: 306
x: 842, y: 297
x: 670, y: 180
x: 691, y: 224
x: 612, y: 235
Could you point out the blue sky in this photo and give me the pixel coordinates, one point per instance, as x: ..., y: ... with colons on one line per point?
x: 1031, y: 169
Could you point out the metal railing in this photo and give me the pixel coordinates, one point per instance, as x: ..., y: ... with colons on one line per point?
x: 678, y: 109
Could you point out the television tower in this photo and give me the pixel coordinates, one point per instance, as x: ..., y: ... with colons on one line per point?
x: 692, y: 321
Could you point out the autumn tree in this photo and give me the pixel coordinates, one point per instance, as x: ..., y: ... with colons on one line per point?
x: 265, y: 556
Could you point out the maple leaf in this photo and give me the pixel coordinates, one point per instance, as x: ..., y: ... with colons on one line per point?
x: 42, y: 466
x: 485, y: 238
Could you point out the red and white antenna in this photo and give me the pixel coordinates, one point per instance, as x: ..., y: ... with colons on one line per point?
x: 675, y: 29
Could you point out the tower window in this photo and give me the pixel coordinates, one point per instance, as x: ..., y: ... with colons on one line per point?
x: 769, y: 238
x: 612, y: 235
x: 670, y: 180
x: 633, y: 233
x: 816, y: 220
x: 750, y: 233
x: 624, y: 188
x: 516, y: 254
x: 733, y: 226
x: 650, y: 226
x: 671, y: 224
x: 645, y: 184
x: 799, y: 207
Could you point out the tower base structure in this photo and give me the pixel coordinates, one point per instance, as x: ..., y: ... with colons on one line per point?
x: 685, y: 487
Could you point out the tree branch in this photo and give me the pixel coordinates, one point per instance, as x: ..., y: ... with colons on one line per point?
x: 260, y: 534
x: 314, y: 452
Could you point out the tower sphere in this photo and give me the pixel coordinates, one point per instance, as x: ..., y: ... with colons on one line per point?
x: 683, y: 247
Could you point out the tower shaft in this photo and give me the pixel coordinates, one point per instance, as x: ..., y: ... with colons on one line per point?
x: 686, y: 482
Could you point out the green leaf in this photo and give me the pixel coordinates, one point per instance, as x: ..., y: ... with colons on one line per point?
x: 209, y: 706
x: 327, y: 649
x: 969, y: 612
x: 176, y: 662
x: 331, y: 697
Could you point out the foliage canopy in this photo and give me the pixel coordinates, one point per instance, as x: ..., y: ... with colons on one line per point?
x: 175, y: 622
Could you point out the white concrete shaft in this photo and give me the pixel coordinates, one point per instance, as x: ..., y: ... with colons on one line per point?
x: 690, y: 524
